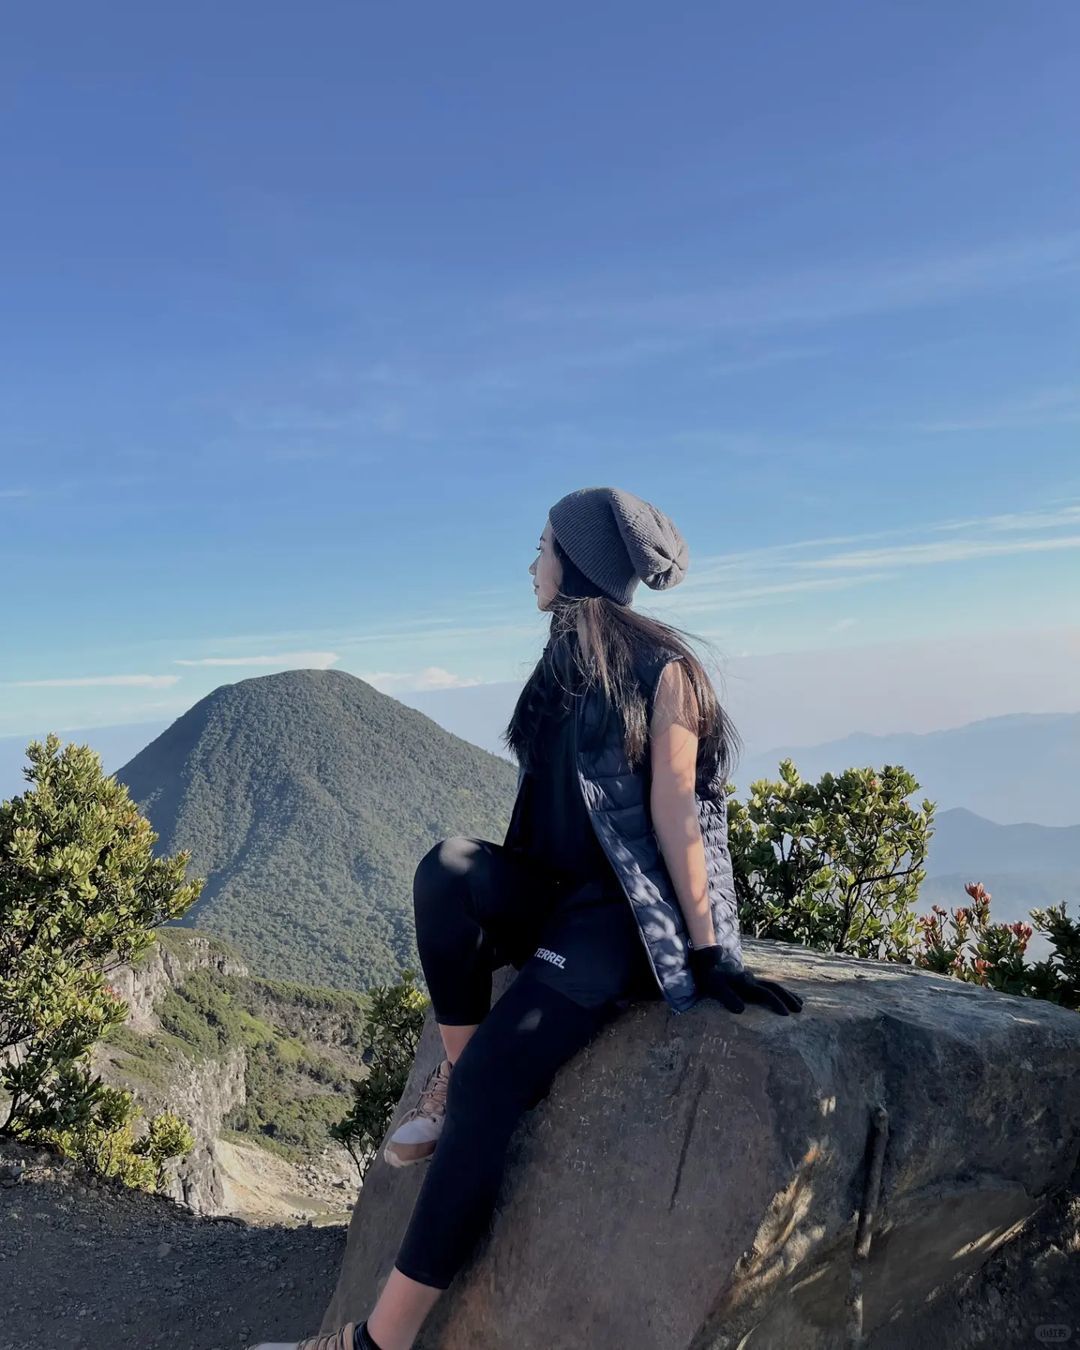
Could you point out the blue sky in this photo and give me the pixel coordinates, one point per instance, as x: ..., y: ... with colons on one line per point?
x: 311, y: 312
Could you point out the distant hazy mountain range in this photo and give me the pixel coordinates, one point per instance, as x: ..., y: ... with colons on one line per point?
x: 307, y: 798
x: 1023, y: 767
x: 1019, y: 768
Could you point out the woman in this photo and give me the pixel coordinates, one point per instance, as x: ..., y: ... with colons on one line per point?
x: 617, y: 728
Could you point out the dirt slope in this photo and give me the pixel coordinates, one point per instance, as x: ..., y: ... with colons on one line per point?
x: 104, y: 1268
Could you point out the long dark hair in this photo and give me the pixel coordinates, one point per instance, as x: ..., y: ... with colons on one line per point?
x: 592, y: 643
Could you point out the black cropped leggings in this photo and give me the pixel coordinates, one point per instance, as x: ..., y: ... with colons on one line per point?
x: 478, y: 906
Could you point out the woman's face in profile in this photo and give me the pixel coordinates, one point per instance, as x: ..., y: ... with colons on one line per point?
x: 546, y: 570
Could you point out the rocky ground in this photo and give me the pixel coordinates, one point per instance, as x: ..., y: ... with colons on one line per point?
x: 102, y: 1267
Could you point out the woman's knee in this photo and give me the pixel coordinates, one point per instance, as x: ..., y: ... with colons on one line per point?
x: 442, y: 869
x: 450, y: 857
x: 443, y: 864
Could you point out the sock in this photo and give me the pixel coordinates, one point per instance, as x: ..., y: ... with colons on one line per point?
x: 363, y: 1339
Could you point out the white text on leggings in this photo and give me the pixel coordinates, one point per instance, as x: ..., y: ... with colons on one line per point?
x: 553, y: 957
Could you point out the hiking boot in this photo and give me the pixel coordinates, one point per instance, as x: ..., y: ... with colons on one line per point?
x: 345, y: 1338
x: 415, y: 1138
x: 342, y: 1339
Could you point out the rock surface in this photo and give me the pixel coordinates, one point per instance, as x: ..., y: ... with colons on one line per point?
x: 203, y: 1094
x: 694, y: 1182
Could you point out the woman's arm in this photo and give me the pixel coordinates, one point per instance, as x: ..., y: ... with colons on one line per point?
x: 673, y: 756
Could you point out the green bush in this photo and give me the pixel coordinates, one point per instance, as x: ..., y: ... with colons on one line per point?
x: 104, y: 1144
x: 392, y: 1034
x: 79, y: 887
x: 836, y: 865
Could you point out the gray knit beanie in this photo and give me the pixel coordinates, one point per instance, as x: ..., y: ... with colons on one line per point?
x: 617, y: 540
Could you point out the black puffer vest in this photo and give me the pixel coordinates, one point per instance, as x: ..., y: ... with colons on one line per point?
x: 617, y: 800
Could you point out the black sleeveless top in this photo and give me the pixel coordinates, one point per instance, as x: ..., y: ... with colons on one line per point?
x: 550, y: 822
x: 555, y: 830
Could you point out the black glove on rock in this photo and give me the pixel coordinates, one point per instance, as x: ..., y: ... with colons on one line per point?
x: 735, y: 989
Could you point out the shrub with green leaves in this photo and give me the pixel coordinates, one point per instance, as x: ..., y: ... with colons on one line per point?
x: 393, y: 1028
x: 79, y: 888
x: 835, y: 864
x: 105, y: 1144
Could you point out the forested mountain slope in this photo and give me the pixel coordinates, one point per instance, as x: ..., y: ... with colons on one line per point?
x: 307, y: 798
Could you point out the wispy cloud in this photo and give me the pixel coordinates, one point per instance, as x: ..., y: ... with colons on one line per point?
x: 301, y: 454
x: 81, y: 681
x: 719, y: 328
x: 440, y: 632
x: 716, y: 583
x: 742, y: 592
x: 309, y: 416
x: 1019, y: 520
x: 1056, y: 406
x: 1064, y: 516
x: 15, y: 492
x: 766, y: 359
x: 780, y: 572
x: 293, y: 660
x: 825, y: 294
x: 921, y: 555
x: 431, y: 677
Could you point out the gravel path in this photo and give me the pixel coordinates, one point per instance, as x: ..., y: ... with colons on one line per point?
x: 101, y: 1267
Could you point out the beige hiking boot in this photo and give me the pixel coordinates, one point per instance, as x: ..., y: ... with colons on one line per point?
x: 342, y: 1339
x: 415, y: 1138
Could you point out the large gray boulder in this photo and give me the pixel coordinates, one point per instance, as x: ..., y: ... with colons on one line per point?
x: 695, y: 1181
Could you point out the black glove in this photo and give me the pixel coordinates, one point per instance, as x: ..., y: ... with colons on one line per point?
x: 735, y: 989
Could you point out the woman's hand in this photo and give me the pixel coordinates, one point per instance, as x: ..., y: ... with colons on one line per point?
x: 735, y: 989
